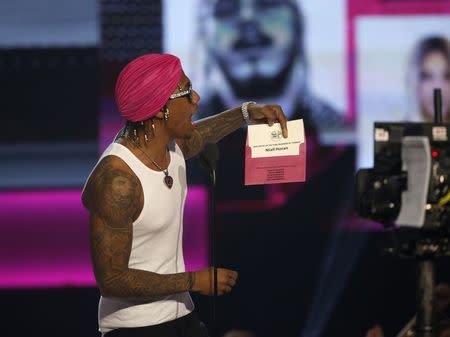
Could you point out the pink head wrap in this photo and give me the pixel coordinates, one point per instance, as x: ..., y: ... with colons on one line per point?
x: 145, y: 84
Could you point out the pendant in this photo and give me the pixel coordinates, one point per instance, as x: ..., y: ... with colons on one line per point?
x: 168, y: 180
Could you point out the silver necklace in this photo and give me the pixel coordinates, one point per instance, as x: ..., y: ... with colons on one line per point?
x: 168, y: 180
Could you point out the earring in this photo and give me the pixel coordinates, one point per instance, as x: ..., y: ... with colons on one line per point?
x: 145, y: 131
x: 166, y: 114
x: 136, y: 137
x: 153, y: 128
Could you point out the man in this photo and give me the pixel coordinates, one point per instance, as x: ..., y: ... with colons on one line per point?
x: 135, y: 197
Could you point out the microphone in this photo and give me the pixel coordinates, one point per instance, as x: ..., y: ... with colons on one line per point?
x: 437, y: 100
x: 209, y: 156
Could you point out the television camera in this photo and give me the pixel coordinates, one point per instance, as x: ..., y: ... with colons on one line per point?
x: 409, y: 188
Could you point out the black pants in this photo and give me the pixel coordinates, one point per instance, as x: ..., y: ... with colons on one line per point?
x: 186, y: 326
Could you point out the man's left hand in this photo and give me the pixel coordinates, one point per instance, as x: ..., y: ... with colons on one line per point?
x: 268, y: 113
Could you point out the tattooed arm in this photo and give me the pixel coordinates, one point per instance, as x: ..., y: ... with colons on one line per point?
x: 214, y: 128
x: 114, y: 199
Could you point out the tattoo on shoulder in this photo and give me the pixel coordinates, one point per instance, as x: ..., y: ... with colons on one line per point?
x: 122, y: 188
x: 117, y: 193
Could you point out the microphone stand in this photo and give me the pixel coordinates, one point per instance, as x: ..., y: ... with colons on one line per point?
x: 208, y: 159
x: 212, y: 243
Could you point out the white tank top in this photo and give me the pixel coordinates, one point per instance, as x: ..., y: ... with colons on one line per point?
x: 157, y: 243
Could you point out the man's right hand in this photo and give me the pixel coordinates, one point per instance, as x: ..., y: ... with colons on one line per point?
x: 204, y: 284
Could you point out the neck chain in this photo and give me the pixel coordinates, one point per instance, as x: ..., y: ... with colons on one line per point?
x: 168, y: 180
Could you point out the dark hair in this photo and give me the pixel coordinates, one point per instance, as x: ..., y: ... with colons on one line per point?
x: 425, y: 46
x: 430, y: 44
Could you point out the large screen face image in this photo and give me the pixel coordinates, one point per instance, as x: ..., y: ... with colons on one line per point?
x: 286, y: 52
x: 400, y: 61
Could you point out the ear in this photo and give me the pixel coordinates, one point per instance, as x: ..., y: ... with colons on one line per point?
x: 160, y: 114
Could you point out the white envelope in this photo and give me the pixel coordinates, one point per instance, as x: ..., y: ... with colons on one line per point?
x: 268, y: 141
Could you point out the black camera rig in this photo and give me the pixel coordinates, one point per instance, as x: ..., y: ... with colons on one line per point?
x: 382, y: 190
x: 409, y: 187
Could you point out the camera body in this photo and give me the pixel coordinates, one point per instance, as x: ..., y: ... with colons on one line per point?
x: 409, y: 184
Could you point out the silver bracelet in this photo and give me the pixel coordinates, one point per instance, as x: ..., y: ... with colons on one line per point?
x: 244, y: 110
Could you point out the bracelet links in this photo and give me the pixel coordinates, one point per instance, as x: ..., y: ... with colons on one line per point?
x: 244, y: 110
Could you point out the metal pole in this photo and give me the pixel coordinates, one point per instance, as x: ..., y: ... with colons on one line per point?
x: 425, y: 298
x: 212, y: 239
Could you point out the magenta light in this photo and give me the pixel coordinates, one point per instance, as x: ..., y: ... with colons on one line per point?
x: 44, y: 238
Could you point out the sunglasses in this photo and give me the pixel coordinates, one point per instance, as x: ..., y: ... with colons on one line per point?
x: 187, y: 93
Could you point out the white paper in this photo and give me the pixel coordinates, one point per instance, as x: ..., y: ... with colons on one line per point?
x: 268, y: 141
